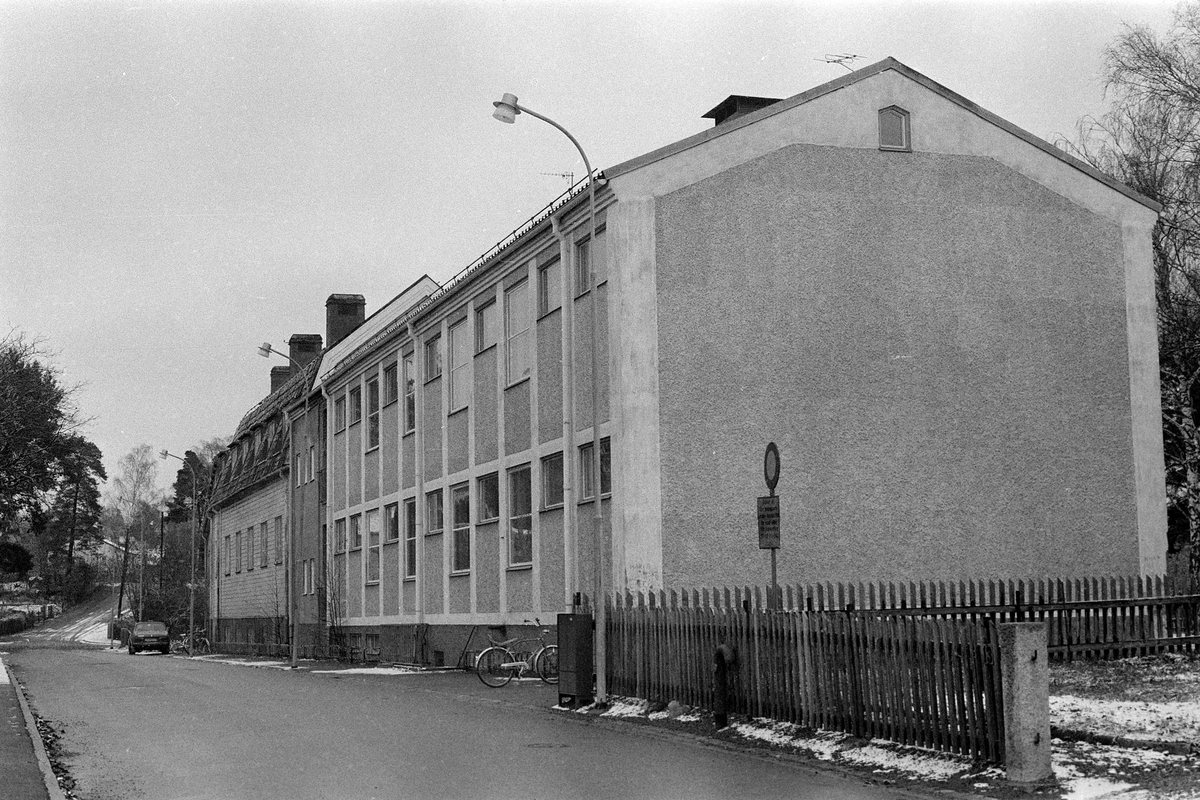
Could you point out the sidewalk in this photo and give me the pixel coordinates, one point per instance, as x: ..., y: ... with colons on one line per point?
x: 21, y: 754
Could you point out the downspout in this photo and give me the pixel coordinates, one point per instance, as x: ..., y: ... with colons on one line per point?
x: 419, y: 466
x: 570, y: 508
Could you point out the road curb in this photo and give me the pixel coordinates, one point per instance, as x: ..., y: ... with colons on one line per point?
x: 39, y: 749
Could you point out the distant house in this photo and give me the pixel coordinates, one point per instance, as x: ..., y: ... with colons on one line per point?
x: 945, y: 324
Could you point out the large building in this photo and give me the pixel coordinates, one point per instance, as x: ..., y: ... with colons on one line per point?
x: 945, y: 324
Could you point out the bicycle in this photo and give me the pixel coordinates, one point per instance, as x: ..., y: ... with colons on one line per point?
x: 200, y: 645
x: 498, y: 664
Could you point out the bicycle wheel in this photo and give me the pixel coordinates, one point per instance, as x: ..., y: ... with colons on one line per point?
x: 490, y: 666
x: 546, y: 663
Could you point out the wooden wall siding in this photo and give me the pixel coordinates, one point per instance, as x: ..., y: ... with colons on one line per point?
x: 931, y: 683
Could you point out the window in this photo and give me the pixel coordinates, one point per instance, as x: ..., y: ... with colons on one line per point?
x: 894, y: 132
x: 262, y: 544
x: 520, y: 515
x: 433, y: 512
x: 250, y: 548
x: 433, y: 358
x: 487, y: 326
x: 298, y: 469
x: 552, y: 481
x: 312, y: 461
x: 228, y: 560
x: 372, y: 413
x: 339, y: 413
x: 410, y: 394
x: 308, y: 576
x: 460, y: 366
x: 489, y: 498
x: 587, y: 486
x: 356, y: 405
x: 583, y: 257
x: 356, y: 531
x: 393, y: 522
x: 410, y: 538
x: 237, y: 551
x: 391, y: 385
x: 549, y: 287
x: 460, y: 509
x: 373, y: 546
x: 279, y: 540
x: 339, y: 536
x: 516, y: 323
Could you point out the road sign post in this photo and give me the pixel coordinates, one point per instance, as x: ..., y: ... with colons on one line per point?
x: 768, y: 518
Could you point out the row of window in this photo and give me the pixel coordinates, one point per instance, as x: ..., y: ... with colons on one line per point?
x: 348, y: 533
x: 248, y: 548
x: 489, y: 330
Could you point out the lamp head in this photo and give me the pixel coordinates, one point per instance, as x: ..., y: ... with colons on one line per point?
x: 163, y: 454
x: 265, y: 350
x: 506, y: 108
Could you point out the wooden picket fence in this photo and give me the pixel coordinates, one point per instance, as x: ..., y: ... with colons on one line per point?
x: 927, y: 682
x: 1110, y: 617
x: 917, y: 663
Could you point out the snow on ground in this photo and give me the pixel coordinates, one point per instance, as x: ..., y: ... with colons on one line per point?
x: 1131, y: 719
x: 370, y: 671
x: 96, y: 633
x: 1076, y: 764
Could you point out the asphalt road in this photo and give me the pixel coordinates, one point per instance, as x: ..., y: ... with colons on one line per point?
x: 166, y: 728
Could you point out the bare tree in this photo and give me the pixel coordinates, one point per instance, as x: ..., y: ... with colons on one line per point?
x: 136, y: 496
x: 1150, y: 140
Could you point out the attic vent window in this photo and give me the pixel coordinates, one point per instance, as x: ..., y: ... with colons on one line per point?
x: 894, y: 131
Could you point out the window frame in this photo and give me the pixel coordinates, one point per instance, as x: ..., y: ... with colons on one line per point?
x: 373, y: 544
x: 518, y: 343
x: 373, y: 406
x: 586, y: 492
x: 547, y: 473
x: 545, y: 302
x: 278, y: 524
x: 458, y: 344
x: 410, y: 538
x: 483, y: 311
x: 339, y: 413
x: 355, y: 405
x: 228, y: 554
x: 488, y: 489
x: 434, y: 502
x: 391, y: 514
x: 433, y: 358
x: 356, y: 532
x: 905, y: 119
x: 339, y: 535
x: 520, y: 536
x: 410, y: 393
x: 460, y: 520
x: 391, y: 384
x: 237, y: 545
x: 262, y: 541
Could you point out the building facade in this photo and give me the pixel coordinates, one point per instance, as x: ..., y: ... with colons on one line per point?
x: 946, y: 326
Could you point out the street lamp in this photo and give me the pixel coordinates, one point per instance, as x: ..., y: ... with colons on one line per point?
x: 506, y: 111
x: 164, y: 455
x: 265, y: 350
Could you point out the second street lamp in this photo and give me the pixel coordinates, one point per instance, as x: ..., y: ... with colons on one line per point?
x: 265, y: 350
x: 506, y: 111
x: 164, y: 455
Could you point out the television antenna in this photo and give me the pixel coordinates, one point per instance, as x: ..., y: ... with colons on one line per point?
x: 570, y: 176
x: 841, y: 59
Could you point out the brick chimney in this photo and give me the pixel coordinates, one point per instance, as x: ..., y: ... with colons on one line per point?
x: 304, y: 347
x: 279, y: 376
x: 343, y: 313
x: 738, y: 105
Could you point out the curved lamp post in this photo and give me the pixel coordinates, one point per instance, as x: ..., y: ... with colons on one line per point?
x: 164, y: 455
x: 506, y: 111
x: 265, y: 350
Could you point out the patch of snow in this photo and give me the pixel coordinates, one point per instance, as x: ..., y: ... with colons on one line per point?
x: 1133, y: 719
x: 621, y: 708
x: 915, y: 764
x: 369, y: 671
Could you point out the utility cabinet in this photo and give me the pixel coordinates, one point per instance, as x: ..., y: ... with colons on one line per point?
x: 575, y: 663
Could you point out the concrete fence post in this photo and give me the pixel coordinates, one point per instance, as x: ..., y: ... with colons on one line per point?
x: 1025, y: 673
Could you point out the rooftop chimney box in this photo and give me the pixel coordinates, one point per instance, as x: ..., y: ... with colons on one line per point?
x: 279, y: 376
x: 304, y: 347
x: 738, y: 105
x: 343, y: 313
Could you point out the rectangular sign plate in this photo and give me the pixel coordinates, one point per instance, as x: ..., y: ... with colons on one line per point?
x: 768, y: 523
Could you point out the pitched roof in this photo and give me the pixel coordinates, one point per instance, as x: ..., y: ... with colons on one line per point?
x: 860, y: 75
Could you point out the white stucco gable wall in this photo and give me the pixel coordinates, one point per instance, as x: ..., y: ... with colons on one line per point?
x: 844, y: 114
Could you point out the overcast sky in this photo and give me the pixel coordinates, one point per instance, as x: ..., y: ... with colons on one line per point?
x: 182, y: 181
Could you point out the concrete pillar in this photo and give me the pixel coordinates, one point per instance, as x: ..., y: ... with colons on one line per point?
x: 1025, y: 673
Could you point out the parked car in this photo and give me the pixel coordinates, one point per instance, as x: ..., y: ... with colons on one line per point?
x: 150, y: 635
